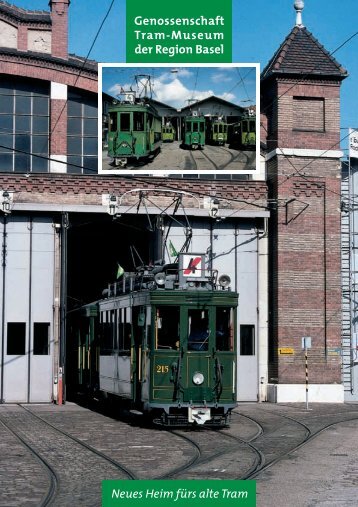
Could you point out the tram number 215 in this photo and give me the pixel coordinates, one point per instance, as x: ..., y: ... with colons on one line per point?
x: 161, y: 368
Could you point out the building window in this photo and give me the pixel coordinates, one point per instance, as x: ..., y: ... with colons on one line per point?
x: 247, y: 340
x: 82, y: 133
x: 308, y: 114
x: 41, y: 338
x: 24, y: 120
x: 16, y: 332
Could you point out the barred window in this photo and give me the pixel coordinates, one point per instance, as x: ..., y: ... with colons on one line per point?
x: 24, y: 125
x: 82, y: 133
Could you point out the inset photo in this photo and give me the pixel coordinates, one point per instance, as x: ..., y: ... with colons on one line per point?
x: 188, y: 119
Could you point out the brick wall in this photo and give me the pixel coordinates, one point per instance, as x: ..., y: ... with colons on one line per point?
x: 49, y: 70
x: 58, y: 127
x: 80, y: 189
x: 305, y: 268
x: 278, y: 104
x: 59, y: 16
x: 304, y: 236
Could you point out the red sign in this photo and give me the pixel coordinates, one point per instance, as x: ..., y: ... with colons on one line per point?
x: 193, y: 267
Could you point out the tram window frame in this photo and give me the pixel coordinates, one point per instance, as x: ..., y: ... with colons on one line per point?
x: 198, y: 336
x: 247, y: 340
x: 106, y: 342
x: 126, y: 123
x: 138, y: 118
x: 41, y: 343
x: 16, y: 339
x: 113, y: 121
x: 224, y: 342
x: 167, y: 312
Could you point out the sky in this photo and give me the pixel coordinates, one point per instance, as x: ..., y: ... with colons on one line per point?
x: 259, y: 27
x: 177, y: 85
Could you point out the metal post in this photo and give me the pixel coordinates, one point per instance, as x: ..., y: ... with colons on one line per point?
x: 306, y: 365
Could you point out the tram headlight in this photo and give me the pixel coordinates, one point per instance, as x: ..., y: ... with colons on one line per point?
x: 198, y: 378
x: 224, y: 281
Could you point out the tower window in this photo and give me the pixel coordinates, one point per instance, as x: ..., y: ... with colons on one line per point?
x: 308, y: 114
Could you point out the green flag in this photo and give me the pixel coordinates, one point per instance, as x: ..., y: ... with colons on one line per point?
x: 120, y: 271
x: 172, y: 251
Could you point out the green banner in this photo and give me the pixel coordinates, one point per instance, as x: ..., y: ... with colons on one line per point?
x: 185, y: 31
x: 179, y: 493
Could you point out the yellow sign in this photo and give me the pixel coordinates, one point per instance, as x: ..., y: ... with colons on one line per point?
x: 286, y: 351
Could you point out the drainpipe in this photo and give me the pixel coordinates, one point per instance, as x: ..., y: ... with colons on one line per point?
x: 63, y: 311
x: 4, y: 253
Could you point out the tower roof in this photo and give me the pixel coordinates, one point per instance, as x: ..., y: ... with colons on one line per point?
x: 302, y: 54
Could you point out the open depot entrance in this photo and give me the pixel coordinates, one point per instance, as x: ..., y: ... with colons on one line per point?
x: 96, y: 245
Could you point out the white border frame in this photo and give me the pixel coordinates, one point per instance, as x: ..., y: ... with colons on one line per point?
x: 164, y: 172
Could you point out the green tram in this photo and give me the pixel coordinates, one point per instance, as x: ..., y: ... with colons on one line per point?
x: 165, y: 341
x: 243, y: 133
x: 194, y: 132
x: 217, y: 132
x: 168, y: 134
x: 134, y: 132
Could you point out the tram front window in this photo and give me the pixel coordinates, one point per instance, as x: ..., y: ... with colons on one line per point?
x: 125, y: 122
x: 167, y: 327
x: 224, y: 329
x: 198, y: 332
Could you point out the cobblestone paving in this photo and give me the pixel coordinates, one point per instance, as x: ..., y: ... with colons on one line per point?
x: 325, y: 468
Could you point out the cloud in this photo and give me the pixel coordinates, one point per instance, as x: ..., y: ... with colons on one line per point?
x: 221, y: 77
x: 170, y: 88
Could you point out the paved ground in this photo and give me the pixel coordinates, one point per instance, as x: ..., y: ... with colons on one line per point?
x: 298, y: 457
x: 173, y: 158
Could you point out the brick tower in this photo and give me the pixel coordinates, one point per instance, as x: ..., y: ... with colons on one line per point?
x: 301, y: 112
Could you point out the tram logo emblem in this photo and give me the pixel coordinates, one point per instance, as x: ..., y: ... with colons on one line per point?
x: 192, y: 265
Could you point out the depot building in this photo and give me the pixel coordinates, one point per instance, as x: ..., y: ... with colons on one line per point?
x: 276, y: 234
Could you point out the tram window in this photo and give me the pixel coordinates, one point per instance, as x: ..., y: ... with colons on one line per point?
x: 198, y: 330
x: 201, y: 126
x: 107, y: 338
x: 188, y: 126
x: 16, y: 332
x: 127, y: 338
x: 195, y: 126
x: 252, y: 126
x: 114, y: 328
x: 167, y: 333
x: 138, y: 121
x: 245, y: 127
x: 220, y: 128
x: 112, y: 122
x: 41, y: 338
x: 125, y: 122
x: 120, y: 329
x: 247, y: 340
x: 224, y: 329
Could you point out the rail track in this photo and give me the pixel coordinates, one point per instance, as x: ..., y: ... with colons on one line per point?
x: 70, y: 456
x: 84, y: 465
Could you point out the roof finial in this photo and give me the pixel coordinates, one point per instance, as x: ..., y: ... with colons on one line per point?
x: 299, y: 5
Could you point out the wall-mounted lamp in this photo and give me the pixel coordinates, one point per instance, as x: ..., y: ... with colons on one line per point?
x: 214, y: 208
x: 6, y: 202
x: 112, y: 205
